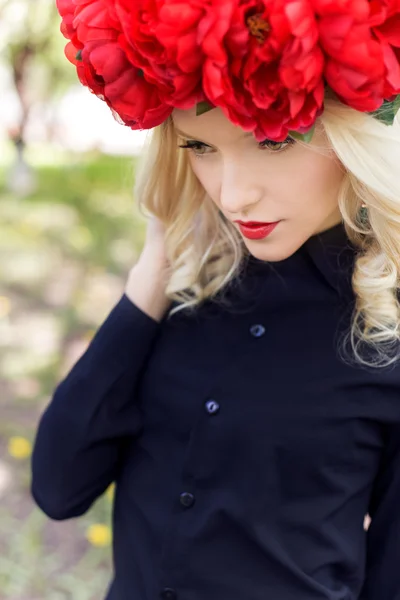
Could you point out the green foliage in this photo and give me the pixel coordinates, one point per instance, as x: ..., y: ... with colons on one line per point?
x: 203, y: 107
x: 33, y: 51
x: 388, y: 111
x: 65, y: 252
x: 303, y: 137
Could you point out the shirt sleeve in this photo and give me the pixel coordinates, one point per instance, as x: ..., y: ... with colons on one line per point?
x: 382, y: 577
x: 92, y: 411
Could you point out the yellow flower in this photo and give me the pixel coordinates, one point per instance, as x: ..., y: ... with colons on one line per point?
x: 5, y: 306
x: 99, y: 534
x: 19, y: 447
x: 110, y: 491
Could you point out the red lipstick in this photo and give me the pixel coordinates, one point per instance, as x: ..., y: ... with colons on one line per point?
x: 256, y: 231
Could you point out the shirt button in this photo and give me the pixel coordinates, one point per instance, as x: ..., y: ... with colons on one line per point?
x: 212, y: 407
x: 187, y: 499
x: 257, y: 330
x: 168, y: 594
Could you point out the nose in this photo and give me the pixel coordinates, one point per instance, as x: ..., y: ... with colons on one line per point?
x: 238, y: 191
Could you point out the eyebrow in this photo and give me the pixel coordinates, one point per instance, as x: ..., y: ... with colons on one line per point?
x: 187, y: 135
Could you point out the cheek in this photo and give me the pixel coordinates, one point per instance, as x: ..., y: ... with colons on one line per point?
x: 327, y: 177
x: 316, y: 179
x: 208, y: 175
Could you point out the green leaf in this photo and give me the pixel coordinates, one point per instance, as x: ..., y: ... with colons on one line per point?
x: 203, y: 107
x: 78, y: 55
x: 387, y: 112
x: 384, y: 117
x: 303, y: 137
x: 396, y: 104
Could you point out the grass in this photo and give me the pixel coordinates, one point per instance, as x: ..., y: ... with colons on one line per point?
x: 65, y: 252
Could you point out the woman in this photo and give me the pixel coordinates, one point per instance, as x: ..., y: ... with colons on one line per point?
x: 244, y: 391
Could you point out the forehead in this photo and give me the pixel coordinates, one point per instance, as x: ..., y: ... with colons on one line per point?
x: 215, y: 128
x: 213, y: 124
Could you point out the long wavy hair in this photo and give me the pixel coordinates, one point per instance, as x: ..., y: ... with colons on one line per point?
x: 206, y: 252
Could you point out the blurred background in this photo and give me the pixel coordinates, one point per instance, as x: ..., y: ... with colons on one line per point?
x: 69, y: 232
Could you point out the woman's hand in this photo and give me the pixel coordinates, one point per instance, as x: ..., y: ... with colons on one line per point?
x: 147, y: 279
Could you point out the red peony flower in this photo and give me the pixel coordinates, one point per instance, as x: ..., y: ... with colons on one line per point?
x: 224, y: 40
x: 67, y: 11
x: 161, y: 37
x: 94, y: 31
x: 385, y: 22
x: 354, y: 58
x: 265, y: 63
x: 264, y: 67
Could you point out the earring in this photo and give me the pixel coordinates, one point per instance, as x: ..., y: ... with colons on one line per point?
x: 363, y: 213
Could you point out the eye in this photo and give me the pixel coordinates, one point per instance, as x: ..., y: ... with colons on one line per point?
x: 277, y: 146
x: 199, y: 149
x: 195, y: 147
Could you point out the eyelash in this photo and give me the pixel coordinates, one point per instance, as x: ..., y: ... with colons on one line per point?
x: 191, y: 145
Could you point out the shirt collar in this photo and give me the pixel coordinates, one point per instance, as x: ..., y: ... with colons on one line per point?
x: 330, y: 253
x: 333, y: 255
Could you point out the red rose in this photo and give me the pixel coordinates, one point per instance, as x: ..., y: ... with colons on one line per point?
x: 264, y: 67
x: 94, y: 29
x: 385, y: 21
x: 354, y: 58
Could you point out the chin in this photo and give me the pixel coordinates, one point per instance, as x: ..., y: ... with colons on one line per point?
x: 270, y: 254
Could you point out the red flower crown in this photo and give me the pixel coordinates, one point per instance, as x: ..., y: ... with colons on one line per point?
x: 265, y: 63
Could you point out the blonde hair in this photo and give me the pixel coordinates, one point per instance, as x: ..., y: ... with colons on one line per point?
x: 206, y: 252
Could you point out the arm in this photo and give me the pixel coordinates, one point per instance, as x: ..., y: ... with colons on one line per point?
x: 382, y: 577
x: 79, y: 438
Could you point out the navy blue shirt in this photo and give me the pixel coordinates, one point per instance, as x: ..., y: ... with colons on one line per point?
x: 246, y: 453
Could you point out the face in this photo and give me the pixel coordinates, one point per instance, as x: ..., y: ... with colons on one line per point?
x: 292, y: 183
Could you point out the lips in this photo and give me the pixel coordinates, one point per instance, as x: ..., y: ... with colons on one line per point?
x: 253, y: 223
x: 256, y: 231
